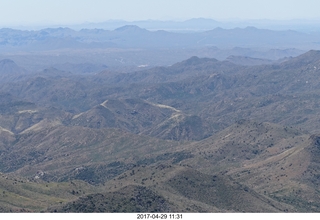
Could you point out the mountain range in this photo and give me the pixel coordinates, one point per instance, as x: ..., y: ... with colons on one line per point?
x: 132, y: 48
x: 201, y: 135
x: 132, y: 36
x: 194, y: 25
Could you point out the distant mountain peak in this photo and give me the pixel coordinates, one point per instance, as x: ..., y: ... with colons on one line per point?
x: 7, y: 61
x: 312, y: 52
x: 196, y: 60
x: 130, y: 28
x: 193, y: 58
x: 310, y: 57
x: 8, y: 66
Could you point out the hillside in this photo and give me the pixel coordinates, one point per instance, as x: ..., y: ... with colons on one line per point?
x: 142, y: 117
x: 132, y: 36
x: 24, y: 195
x: 276, y: 161
x: 10, y: 71
x: 127, y: 199
x: 202, y: 135
x: 178, y: 189
x: 254, y: 162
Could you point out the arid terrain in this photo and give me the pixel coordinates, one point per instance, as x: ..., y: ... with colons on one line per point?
x: 104, y: 121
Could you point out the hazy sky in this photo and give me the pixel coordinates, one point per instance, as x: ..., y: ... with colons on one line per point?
x: 41, y: 12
